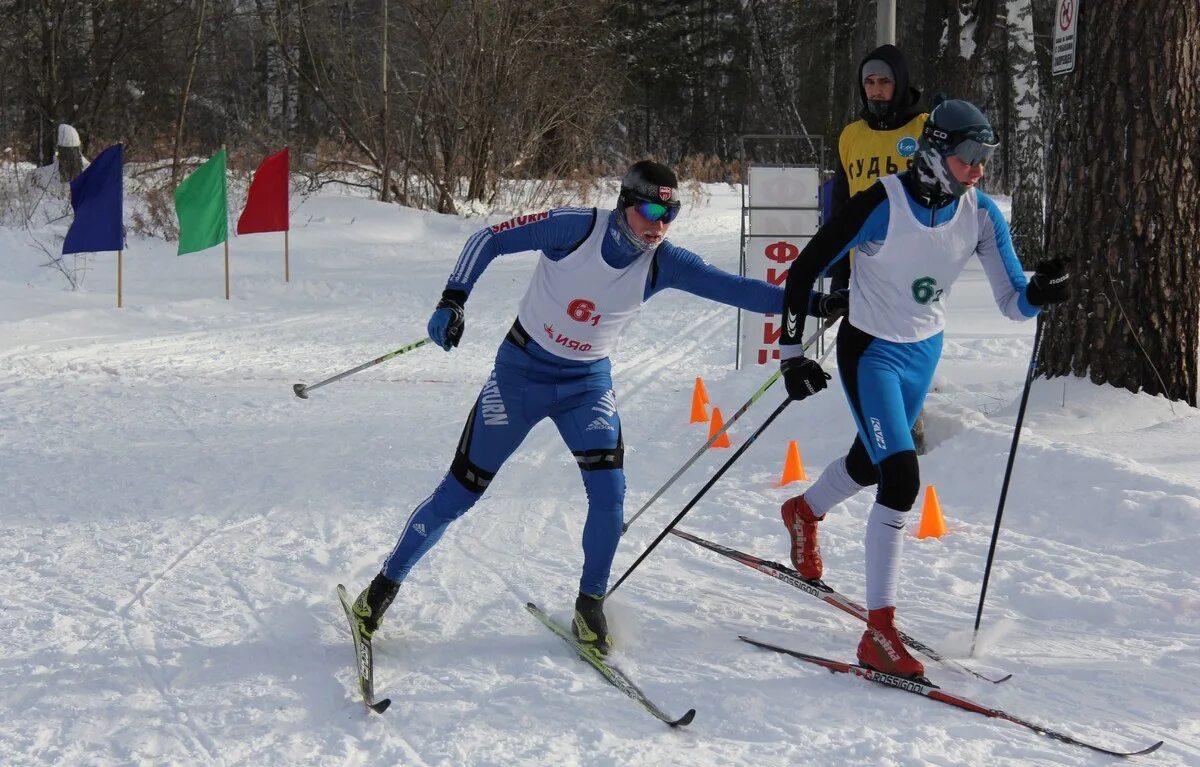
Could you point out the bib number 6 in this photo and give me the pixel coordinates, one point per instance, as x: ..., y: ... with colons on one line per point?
x: 925, y: 291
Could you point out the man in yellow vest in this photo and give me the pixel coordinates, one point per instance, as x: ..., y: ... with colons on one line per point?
x: 882, y: 142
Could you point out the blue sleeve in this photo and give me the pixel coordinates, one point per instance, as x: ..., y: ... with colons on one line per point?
x: 1000, y: 262
x: 556, y: 233
x: 680, y: 268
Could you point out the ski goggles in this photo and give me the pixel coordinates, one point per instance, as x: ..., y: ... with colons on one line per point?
x: 974, y: 146
x: 657, y: 211
x: 974, y: 152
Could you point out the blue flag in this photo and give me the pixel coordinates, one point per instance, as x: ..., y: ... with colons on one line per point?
x: 96, y: 197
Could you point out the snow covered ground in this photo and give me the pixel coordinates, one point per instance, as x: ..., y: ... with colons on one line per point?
x: 173, y: 522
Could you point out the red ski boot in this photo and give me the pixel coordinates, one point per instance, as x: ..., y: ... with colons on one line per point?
x: 802, y: 526
x: 882, y: 649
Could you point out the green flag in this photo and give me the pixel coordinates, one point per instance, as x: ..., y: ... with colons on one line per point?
x: 201, y: 205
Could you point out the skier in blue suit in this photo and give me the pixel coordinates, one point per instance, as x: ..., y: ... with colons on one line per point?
x: 596, y: 270
x: 913, y: 233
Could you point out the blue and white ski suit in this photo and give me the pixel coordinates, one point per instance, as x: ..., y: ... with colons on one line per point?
x: 539, y: 374
x: 907, y: 258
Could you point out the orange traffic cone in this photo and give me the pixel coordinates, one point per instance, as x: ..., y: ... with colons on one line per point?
x: 717, y: 424
x: 933, y: 525
x: 793, y: 468
x: 699, y: 401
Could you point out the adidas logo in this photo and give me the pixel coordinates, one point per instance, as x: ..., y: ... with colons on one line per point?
x: 420, y: 528
x: 599, y: 424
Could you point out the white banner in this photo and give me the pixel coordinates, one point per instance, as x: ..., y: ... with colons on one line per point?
x: 783, y: 217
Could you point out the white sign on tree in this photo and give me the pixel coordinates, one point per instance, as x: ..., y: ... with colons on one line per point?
x: 1065, y: 22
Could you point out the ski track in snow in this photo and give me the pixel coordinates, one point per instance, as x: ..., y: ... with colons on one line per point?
x: 175, y: 522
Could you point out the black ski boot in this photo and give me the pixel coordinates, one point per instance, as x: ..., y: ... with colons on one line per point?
x: 372, y: 603
x: 589, y: 625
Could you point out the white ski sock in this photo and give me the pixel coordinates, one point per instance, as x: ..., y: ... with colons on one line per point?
x: 831, y: 488
x: 885, y: 542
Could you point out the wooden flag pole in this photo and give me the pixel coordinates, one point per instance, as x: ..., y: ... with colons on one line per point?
x: 225, y: 184
x: 118, y: 279
x: 286, y: 272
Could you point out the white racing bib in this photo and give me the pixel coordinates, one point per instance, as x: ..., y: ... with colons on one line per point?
x: 578, y: 307
x: 898, y: 293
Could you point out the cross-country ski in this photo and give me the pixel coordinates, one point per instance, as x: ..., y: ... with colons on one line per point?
x: 364, y: 658
x: 611, y: 673
x: 830, y: 596
x: 933, y: 692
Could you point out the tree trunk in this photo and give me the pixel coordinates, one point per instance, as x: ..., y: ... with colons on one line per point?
x: 1125, y: 200
x: 1022, y: 133
x: 185, y: 93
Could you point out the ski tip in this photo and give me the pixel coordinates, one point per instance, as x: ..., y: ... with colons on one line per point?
x: 380, y: 706
x: 1147, y: 750
x: 687, y: 718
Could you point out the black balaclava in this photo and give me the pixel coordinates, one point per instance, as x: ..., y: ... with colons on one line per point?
x: 949, y: 118
x: 903, y: 106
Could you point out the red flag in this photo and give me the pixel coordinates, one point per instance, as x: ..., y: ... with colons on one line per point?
x: 267, y: 204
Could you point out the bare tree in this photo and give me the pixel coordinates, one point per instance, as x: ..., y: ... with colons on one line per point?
x: 186, y: 90
x: 1022, y: 129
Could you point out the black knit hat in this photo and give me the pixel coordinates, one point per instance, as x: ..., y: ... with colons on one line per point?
x: 649, y: 181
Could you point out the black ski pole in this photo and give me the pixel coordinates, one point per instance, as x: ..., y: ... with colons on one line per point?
x: 1012, y: 454
x: 741, y: 411
x: 302, y: 391
x: 699, y: 495
x: 708, y: 485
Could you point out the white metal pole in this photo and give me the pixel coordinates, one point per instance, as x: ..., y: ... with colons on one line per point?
x: 885, y: 22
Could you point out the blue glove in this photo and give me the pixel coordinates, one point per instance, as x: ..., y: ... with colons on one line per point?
x: 446, y: 324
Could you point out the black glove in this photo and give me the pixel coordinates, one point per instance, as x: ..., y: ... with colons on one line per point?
x: 1049, y: 283
x: 803, y: 377
x: 446, y: 325
x: 833, y: 304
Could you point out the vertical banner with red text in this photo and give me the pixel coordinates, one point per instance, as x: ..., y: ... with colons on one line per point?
x: 783, y: 206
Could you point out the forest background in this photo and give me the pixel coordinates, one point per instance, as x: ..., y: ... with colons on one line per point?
x: 479, y: 107
x: 431, y: 102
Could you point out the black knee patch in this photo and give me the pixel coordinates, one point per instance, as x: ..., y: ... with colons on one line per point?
x: 899, y: 481
x: 859, y: 466
x: 600, y: 458
x: 467, y: 473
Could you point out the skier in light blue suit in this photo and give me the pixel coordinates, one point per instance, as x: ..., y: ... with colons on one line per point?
x: 596, y: 270
x: 913, y: 234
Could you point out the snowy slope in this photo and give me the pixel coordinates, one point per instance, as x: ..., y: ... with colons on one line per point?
x: 174, y: 522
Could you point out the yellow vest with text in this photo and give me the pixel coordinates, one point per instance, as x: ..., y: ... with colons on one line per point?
x: 867, y: 154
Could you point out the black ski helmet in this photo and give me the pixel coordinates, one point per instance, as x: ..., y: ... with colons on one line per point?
x: 955, y: 128
x: 649, y: 181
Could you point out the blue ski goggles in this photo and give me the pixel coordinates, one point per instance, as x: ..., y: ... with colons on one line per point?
x: 657, y: 211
